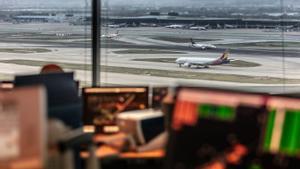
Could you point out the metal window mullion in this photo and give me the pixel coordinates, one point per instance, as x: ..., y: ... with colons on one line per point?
x: 96, y: 50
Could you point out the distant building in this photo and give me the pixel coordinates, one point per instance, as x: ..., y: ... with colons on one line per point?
x: 32, y: 18
x: 173, y: 14
x: 154, y: 13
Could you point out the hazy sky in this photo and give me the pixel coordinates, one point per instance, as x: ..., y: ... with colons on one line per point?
x: 203, y: 2
x: 64, y: 3
x: 37, y: 3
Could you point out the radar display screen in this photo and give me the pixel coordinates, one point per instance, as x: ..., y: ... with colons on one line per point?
x: 214, y: 125
x: 101, y: 105
x: 280, y: 144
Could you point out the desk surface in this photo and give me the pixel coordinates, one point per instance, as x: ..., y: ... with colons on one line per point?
x: 143, y: 155
x: 106, y: 151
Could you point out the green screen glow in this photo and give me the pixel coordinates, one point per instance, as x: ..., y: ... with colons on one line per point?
x: 283, y: 132
x: 216, y: 112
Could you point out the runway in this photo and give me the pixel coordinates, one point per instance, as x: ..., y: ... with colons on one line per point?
x: 75, y: 49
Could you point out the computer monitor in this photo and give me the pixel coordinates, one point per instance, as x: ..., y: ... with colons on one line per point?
x: 158, y: 94
x: 61, y: 87
x: 103, y: 104
x: 210, y: 125
x: 280, y: 143
x: 62, y: 95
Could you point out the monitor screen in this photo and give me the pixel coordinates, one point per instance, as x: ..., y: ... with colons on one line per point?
x: 158, y: 94
x: 63, y: 100
x: 101, y: 105
x: 214, y: 125
x: 61, y: 87
x: 280, y: 143
x: 282, y: 130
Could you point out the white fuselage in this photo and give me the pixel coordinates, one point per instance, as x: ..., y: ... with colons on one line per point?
x: 114, y: 26
x: 110, y: 36
x: 175, y: 26
x: 203, y: 46
x: 198, y: 28
x: 189, y: 61
x: 206, y: 62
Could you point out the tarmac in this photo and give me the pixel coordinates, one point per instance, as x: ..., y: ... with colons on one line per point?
x: 275, y: 62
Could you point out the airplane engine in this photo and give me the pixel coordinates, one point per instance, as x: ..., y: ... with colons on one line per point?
x: 187, y: 64
x: 226, y: 61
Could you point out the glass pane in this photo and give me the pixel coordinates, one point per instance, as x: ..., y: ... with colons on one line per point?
x: 291, y: 43
x: 39, y: 32
x: 231, y: 43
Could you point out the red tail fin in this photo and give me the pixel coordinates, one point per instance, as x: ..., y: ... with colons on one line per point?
x: 224, y: 56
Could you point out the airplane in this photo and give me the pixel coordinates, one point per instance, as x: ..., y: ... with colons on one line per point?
x: 114, y: 26
x: 219, y: 26
x: 202, y: 46
x: 200, y: 28
x: 148, y: 25
x: 175, y: 26
x: 121, y: 25
x: 111, y: 36
x: 205, y: 62
x: 227, y: 26
x: 287, y: 28
x: 63, y: 34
